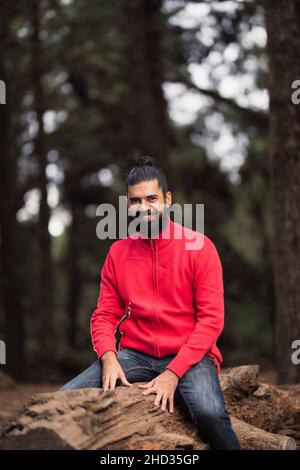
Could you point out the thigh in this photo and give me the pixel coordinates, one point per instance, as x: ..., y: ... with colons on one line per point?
x: 136, y: 365
x: 199, y: 391
x: 90, y: 377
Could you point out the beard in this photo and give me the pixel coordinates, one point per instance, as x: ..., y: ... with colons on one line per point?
x: 153, y: 226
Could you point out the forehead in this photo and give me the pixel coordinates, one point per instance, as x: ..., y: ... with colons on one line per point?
x: 144, y: 189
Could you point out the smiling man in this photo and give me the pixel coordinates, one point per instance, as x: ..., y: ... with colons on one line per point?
x: 168, y: 303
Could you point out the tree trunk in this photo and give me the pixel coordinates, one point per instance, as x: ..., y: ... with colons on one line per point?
x: 46, y: 270
x: 283, y: 28
x: 10, y: 283
x: 125, y: 419
x: 142, y: 26
x: 75, y: 283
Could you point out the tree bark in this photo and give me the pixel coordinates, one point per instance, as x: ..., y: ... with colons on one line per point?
x: 283, y: 28
x: 125, y: 419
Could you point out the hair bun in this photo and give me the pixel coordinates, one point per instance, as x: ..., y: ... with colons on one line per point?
x: 145, y: 161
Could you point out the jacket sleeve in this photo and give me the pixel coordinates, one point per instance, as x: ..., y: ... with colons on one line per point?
x: 209, y: 300
x: 110, y: 309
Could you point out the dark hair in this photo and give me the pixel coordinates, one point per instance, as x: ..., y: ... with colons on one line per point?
x: 146, y: 170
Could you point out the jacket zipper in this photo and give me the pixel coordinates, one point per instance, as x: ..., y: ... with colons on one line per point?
x: 155, y: 295
x: 126, y: 316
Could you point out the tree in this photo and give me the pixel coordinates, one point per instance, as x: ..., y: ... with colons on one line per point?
x: 10, y: 279
x: 46, y: 270
x: 283, y: 28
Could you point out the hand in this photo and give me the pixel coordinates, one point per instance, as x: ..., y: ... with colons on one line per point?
x: 112, y: 371
x: 164, y: 385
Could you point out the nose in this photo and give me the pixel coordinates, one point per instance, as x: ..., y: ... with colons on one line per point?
x: 144, y: 207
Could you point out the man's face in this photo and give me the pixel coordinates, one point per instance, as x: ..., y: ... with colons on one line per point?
x: 146, y: 199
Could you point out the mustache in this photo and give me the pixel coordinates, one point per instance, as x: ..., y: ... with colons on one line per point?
x: 142, y: 214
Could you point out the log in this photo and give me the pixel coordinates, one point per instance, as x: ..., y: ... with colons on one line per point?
x: 91, y: 419
x: 272, y: 408
x: 236, y: 382
x: 124, y: 419
x: 257, y: 439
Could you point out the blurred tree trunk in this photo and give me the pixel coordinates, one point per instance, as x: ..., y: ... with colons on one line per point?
x: 10, y: 283
x: 46, y: 270
x: 283, y: 27
x: 142, y: 25
x: 75, y: 283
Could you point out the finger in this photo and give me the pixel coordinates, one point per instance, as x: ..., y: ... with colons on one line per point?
x: 157, y: 399
x: 105, y: 383
x: 125, y: 381
x: 164, y: 402
x: 150, y: 390
x: 148, y: 384
x: 113, y: 380
x: 171, y: 404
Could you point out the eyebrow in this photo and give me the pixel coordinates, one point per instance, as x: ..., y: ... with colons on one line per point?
x: 136, y: 197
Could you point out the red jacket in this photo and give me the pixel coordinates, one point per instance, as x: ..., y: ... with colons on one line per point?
x: 175, y: 295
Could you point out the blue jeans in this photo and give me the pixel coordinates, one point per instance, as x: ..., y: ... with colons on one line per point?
x: 198, y: 392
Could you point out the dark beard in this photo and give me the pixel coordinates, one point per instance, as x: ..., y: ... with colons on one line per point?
x: 158, y: 224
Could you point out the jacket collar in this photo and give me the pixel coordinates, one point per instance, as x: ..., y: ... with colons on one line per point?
x: 163, y: 238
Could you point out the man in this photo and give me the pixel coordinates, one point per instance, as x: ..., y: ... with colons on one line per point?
x: 168, y: 302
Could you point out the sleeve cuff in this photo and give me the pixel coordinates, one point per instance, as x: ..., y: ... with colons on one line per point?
x: 100, y: 350
x: 178, y: 366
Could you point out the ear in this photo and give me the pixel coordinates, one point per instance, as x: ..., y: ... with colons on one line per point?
x: 168, y: 198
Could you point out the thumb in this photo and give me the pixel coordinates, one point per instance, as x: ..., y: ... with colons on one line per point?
x: 124, y: 380
x: 148, y: 384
